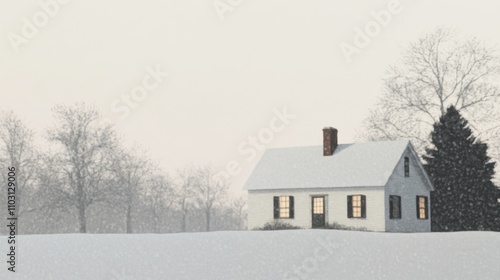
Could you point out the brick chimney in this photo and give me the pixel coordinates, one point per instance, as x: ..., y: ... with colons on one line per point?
x: 330, y: 141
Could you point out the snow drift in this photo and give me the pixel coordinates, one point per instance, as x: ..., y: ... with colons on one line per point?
x: 293, y: 254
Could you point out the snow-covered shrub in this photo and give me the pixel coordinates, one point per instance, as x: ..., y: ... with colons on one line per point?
x: 277, y: 225
x: 335, y: 225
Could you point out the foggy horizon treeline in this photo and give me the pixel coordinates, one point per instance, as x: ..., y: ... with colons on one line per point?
x: 88, y: 181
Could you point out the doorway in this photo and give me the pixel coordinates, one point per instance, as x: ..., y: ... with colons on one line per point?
x: 318, y: 211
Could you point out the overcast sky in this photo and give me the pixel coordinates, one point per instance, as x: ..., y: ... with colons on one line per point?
x: 231, y: 67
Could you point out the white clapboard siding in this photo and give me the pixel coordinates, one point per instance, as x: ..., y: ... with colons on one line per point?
x: 260, y: 207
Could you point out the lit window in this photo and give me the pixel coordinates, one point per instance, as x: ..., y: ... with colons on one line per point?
x: 356, y: 206
x: 422, y: 212
x: 395, y: 207
x: 407, y: 167
x: 283, y: 207
x: 318, y: 205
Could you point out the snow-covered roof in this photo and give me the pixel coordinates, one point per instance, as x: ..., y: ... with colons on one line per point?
x: 351, y: 165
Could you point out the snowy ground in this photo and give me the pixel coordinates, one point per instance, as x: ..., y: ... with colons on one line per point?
x: 296, y: 254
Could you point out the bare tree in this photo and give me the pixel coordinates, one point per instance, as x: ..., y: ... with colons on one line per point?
x: 210, y: 189
x: 159, y: 198
x: 184, y: 192
x: 437, y: 71
x: 18, y: 151
x: 132, y: 170
x: 84, y: 148
x: 237, y: 206
x: 50, y: 203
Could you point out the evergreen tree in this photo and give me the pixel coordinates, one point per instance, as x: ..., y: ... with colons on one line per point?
x: 465, y: 198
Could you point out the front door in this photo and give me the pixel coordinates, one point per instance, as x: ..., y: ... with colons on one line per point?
x: 318, y: 211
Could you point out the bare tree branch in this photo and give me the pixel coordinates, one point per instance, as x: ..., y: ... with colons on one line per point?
x: 438, y: 71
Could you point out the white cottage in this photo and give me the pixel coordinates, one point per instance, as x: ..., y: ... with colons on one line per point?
x: 378, y: 185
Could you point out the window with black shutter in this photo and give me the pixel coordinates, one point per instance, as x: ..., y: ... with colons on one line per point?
x: 284, y: 207
x: 356, y: 206
x: 395, y: 207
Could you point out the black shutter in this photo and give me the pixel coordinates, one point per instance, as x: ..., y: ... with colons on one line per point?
x: 349, y: 206
x: 391, y: 207
x: 418, y: 209
x: 292, y: 209
x: 363, y: 206
x: 395, y: 206
x: 276, y: 207
x: 426, y: 209
x: 399, y: 208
